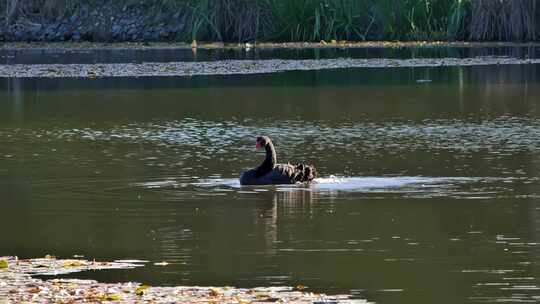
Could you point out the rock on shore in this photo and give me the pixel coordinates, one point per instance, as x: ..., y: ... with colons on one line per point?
x: 137, y: 22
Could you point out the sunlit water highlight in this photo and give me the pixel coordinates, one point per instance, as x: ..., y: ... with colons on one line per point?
x: 404, y: 186
x: 501, y: 133
x: 207, y: 145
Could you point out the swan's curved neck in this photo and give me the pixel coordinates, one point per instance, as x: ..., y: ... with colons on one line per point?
x: 270, y: 160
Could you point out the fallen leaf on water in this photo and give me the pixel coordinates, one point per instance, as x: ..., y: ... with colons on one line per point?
x: 3, y: 264
x: 113, y: 298
x: 261, y: 296
x: 300, y: 287
x: 76, y: 263
x: 140, y: 290
x: 102, y: 297
x: 34, y: 289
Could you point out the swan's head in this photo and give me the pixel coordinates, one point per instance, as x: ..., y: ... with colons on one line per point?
x: 261, y: 142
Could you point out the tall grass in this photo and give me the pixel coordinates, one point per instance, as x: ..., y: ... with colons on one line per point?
x: 459, y: 20
x: 315, y: 20
x: 238, y: 20
x: 504, y: 20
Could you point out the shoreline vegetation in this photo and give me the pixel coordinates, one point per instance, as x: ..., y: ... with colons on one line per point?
x: 248, y: 21
x: 204, y: 45
x: 18, y: 284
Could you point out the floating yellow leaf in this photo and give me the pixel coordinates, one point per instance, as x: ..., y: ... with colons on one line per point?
x: 74, y: 264
x: 3, y: 264
x: 300, y: 287
x: 102, y: 297
x: 50, y: 257
x: 140, y: 290
x: 113, y: 298
x: 261, y: 296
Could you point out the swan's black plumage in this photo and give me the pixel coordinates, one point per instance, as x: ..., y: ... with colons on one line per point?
x: 270, y: 172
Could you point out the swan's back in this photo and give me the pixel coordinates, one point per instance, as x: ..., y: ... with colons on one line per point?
x: 298, y: 173
x: 280, y: 174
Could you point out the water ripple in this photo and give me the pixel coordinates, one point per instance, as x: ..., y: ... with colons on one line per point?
x: 503, y: 134
x: 184, y: 153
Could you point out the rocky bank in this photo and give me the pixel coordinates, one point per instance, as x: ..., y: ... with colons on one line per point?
x: 108, y: 22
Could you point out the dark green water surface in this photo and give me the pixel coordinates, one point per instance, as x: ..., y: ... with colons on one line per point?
x: 428, y: 192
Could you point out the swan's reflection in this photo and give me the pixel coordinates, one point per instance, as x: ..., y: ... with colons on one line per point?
x: 254, y: 223
x: 252, y: 227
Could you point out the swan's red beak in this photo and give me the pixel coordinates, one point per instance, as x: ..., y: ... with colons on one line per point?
x: 258, y: 145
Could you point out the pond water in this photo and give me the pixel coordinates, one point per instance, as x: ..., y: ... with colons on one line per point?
x: 428, y: 192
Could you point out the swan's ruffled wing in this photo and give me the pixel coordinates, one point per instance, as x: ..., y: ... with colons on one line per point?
x: 297, y: 173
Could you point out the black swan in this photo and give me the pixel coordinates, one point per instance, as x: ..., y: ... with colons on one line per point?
x: 269, y: 172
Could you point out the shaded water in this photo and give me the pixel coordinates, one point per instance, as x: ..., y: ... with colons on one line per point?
x: 67, y: 56
x: 428, y: 192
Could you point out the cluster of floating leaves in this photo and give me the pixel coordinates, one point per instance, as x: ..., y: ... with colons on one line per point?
x: 231, y: 67
x: 17, y: 285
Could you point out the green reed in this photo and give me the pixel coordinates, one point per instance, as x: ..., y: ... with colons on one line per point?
x: 316, y: 20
